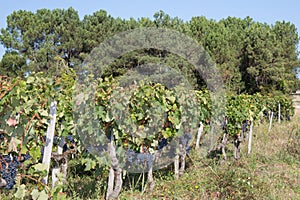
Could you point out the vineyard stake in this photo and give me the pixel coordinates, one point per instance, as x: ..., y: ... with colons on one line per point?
x: 49, y: 139
x: 279, y: 113
x: 250, y: 136
x: 271, y: 119
x: 200, y: 130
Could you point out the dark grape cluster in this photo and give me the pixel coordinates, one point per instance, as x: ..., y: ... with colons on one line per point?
x: 162, y: 143
x: 9, y: 166
x: 70, y: 138
x: 245, y: 125
x: 130, y: 154
x: 56, y: 140
x: 1, y: 136
x: 26, y: 156
x: 60, y: 141
x: 188, y: 150
x: 144, y: 158
x: 185, y: 140
x: 138, y: 161
x: 8, y: 170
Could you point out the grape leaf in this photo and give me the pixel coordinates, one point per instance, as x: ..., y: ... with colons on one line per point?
x: 20, y: 194
x: 39, y: 195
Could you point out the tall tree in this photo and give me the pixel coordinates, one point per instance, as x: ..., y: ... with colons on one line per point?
x: 270, y: 57
x: 100, y: 26
x: 40, y: 37
x: 251, y: 56
x: 12, y: 64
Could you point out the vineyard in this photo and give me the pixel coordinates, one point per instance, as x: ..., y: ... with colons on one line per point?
x: 97, y: 107
x: 117, y: 147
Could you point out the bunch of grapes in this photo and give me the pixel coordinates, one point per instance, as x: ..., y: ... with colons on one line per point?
x: 144, y: 160
x: 60, y: 141
x: 136, y: 160
x: 8, y: 168
x: 1, y: 136
x: 162, y: 143
x: 68, y: 143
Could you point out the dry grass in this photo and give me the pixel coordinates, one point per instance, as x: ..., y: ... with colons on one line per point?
x: 275, y: 164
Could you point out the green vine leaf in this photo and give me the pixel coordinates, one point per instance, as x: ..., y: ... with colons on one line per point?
x: 40, y: 167
x: 39, y: 195
x: 30, y: 79
x: 20, y: 194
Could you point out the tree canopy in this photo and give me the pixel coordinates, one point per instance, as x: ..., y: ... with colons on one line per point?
x: 251, y: 56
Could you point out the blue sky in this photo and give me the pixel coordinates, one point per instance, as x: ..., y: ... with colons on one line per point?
x: 260, y: 10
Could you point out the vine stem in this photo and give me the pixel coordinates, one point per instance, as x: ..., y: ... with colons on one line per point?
x: 9, y: 89
x: 36, y: 180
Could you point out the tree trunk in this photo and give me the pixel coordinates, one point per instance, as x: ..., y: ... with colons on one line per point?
x: 118, y: 183
x: 55, y: 172
x: 57, y: 169
x: 237, y: 145
x: 182, y: 164
x: 224, y: 142
x: 114, y: 191
x: 150, y: 179
x: 64, y: 169
x: 110, y: 184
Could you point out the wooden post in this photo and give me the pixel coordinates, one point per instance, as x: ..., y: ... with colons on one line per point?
x: 182, y: 159
x: 271, y: 119
x: 250, y: 136
x: 200, y: 130
x: 57, y: 169
x: 49, y: 139
x: 150, y: 179
x: 224, y: 143
x: 279, y: 113
x: 176, y: 167
x: 211, y: 137
x: 236, y: 152
x: 55, y: 172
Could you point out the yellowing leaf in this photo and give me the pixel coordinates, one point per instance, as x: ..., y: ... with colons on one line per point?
x: 20, y: 194
x: 30, y: 79
x: 171, y: 98
x: 39, y: 195
x: 40, y: 167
